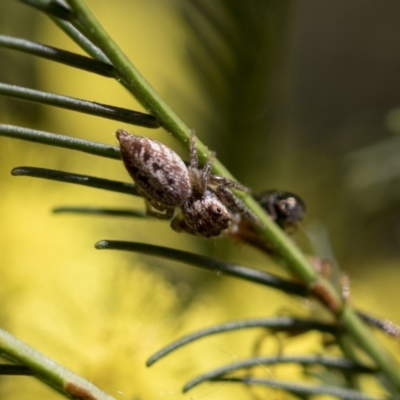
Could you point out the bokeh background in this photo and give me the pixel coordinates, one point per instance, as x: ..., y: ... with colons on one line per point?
x: 298, y: 96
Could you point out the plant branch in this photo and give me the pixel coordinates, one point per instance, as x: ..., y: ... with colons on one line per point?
x: 363, y: 338
x: 49, y: 372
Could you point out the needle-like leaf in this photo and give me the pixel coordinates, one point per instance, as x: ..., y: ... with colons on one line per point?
x: 305, y: 390
x: 85, y: 180
x: 100, y: 211
x: 58, y: 55
x: 339, y: 363
x: 281, y: 324
x: 53, y: 139
x: 83, y: 106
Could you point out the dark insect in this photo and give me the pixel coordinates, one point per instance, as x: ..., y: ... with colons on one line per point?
x: 285, y: 208
x: 206, y: 205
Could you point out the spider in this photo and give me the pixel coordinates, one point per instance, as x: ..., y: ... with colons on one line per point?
x: 207, y: 206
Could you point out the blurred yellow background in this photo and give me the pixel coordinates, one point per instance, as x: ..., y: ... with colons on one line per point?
x: 102, y: 314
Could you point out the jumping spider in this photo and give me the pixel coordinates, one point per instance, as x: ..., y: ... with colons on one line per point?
x: 207, y: 206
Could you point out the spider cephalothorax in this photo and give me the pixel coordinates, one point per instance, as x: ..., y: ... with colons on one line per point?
x: 207, y: 206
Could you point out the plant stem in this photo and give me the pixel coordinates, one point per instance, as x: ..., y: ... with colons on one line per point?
x: 45, y: 369
x: 373, y: 348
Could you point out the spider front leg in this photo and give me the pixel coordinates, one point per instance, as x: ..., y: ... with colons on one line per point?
x: 231, y: 201
x: 194, y: 158
x: 221, y: 181
x: 206, y: 174
x: 199, y: 178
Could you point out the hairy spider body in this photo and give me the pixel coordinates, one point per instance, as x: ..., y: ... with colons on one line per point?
x: 159, y: 173
x: 208, y: 215
x: 167, y: 183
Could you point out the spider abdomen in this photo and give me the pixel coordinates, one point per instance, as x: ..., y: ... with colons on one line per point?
x: 158, y: 172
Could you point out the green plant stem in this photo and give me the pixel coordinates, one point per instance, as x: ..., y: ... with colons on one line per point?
x: 49, y: 372
x: 295, y: 260
x: 362, y: 336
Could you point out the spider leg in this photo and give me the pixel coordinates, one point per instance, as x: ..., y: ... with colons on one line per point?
x: 179, y: 224
x: 199, y: 180
x: 231, y: 201
x: 222, y: 181
x: 153, y: 209
x: 206, y: 173
x: 194, y: 158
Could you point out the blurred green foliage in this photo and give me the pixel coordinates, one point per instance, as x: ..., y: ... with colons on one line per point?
x: 294, y: 96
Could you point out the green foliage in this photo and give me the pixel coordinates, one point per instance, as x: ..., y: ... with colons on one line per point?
x: 235, y: 56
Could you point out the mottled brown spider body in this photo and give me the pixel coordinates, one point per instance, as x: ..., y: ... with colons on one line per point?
x: 207, y: 205
x: 159, y: 173
x: 209, y: 217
